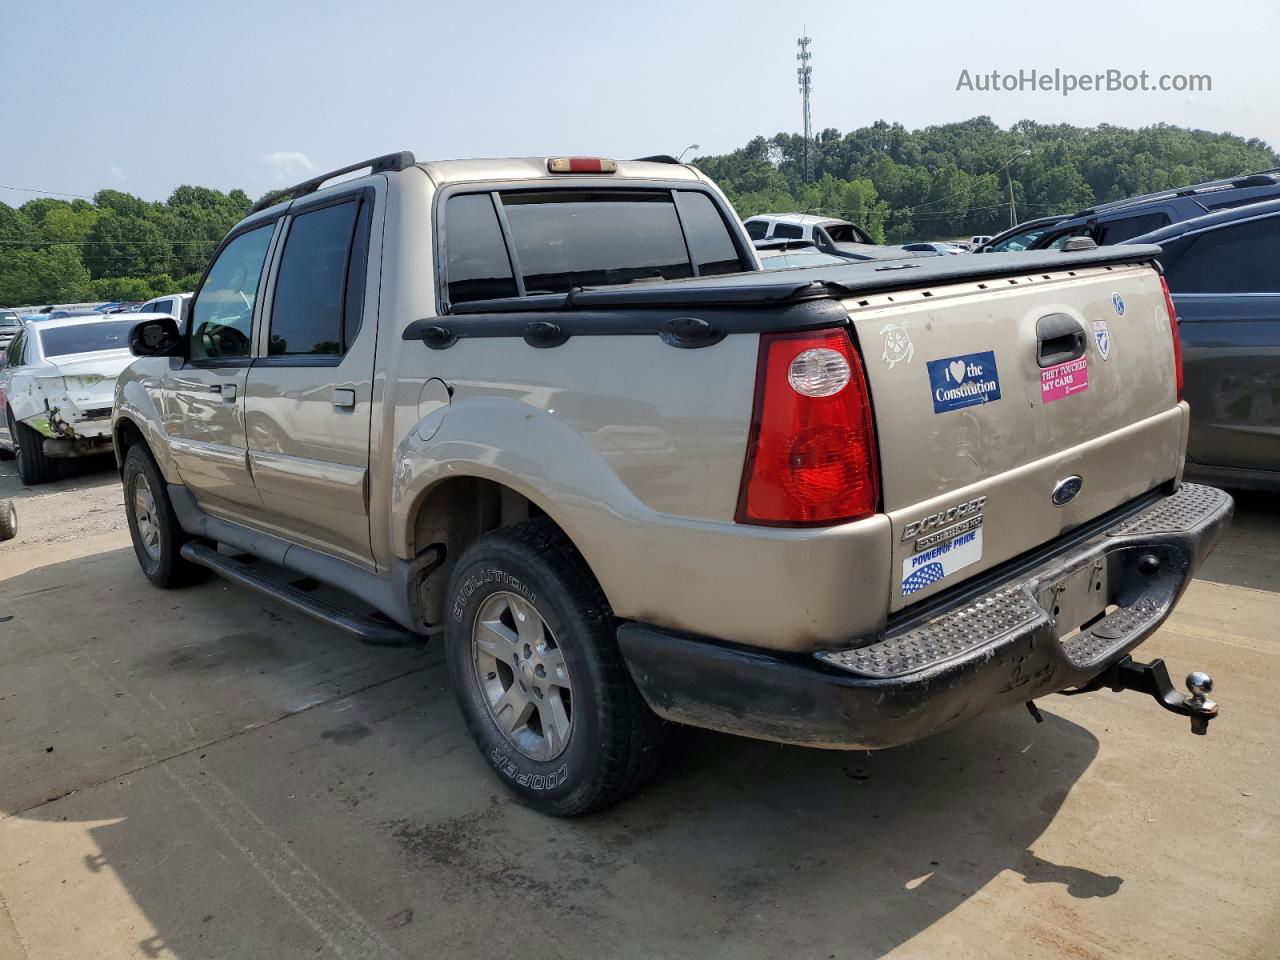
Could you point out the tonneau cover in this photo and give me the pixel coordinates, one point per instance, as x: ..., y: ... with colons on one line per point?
x: 828, y: 281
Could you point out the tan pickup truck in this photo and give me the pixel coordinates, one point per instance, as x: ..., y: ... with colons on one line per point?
x: 551, y: 411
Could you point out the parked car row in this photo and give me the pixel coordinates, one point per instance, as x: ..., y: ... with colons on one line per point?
x: 1220, y: 243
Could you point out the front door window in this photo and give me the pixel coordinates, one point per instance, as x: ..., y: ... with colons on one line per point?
x: 222, y: 315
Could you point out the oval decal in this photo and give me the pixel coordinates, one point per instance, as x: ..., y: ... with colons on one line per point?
x: 1066, y: 489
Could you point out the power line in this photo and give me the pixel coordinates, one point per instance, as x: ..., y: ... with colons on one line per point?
x: 49, y: 243
x: 52, y: 193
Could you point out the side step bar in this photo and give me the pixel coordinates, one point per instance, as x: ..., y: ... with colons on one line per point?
x: 362, y: 627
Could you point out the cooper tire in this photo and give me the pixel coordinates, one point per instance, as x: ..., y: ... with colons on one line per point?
x: 612, y: 740
x: 28, y: 447
x: 153, y: 526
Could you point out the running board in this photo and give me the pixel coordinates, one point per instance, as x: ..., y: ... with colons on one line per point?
x: 364, y: 628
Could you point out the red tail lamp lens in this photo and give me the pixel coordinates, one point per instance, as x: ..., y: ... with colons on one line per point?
x: 811, y: 454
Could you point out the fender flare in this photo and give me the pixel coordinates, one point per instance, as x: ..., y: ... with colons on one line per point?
x: 525, y: 449
x: 135, y: 404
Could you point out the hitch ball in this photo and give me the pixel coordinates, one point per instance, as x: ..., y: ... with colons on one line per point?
x: 1199, y: 683
x: 1199, y: 706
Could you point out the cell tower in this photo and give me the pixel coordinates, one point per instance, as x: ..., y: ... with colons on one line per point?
x: 804, y: 74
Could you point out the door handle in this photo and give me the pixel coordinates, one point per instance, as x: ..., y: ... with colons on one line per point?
x: 228, y: 391
x: 1059, y: 338
x: 344, y: 399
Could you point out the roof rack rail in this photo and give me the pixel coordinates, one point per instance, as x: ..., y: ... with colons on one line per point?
x: 658, y: 158
x: 1262, y: 178
x: 383, y: 164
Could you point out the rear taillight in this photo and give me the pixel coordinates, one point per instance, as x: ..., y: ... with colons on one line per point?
x: 811, y: 454
x: 1173, y: 332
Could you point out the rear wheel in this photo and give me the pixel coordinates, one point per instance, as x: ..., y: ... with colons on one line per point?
x: 531, y: 649
x: 157, y: 537
x: 28, y: 449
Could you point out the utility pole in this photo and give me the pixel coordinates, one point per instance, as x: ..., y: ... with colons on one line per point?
x: 804, y: 74
x: 1013, y: 215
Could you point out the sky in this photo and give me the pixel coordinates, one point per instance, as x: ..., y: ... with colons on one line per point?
x: 144, y: 96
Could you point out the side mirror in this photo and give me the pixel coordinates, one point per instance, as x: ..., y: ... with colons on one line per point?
x: 157, y: 337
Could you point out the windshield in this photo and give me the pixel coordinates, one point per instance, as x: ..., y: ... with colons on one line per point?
x: 9, y: 319
x: 1020, y: 241
x: 85, y: 338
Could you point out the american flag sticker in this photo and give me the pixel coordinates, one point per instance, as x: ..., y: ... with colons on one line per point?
x: 927, y: 567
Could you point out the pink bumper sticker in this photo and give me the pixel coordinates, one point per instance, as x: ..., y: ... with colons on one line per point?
x: 1064, y: 380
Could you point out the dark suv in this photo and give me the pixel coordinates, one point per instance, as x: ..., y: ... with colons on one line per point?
x: 1122, y: 220
x: 1222, y: 272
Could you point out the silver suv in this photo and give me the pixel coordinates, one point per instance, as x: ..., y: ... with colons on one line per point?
x: 550, y: 412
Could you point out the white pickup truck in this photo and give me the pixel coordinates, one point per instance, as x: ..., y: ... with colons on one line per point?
x: 550, y: 411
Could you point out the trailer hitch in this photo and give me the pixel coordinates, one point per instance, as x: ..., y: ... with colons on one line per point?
x: 1153, y: 679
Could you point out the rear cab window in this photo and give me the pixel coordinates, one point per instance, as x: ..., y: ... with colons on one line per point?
x: 547, y: 241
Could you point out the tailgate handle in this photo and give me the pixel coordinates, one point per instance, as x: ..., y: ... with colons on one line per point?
x: 1059, y: 338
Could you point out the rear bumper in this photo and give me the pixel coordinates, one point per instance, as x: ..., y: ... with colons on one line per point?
x: 984, y: 652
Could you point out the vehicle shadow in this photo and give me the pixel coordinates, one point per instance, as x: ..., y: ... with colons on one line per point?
x: 73, y: 474
x: 334, y: 822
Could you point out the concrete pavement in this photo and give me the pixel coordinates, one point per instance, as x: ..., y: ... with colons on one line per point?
x: 203, y: 774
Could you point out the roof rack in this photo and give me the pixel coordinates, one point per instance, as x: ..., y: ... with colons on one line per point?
x: 388, y: 162
x: 1262, y: 178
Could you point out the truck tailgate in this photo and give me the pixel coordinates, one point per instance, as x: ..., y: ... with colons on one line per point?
x: 983, y: 425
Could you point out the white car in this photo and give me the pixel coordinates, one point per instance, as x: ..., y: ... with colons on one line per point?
x: 934, y: 246
x: 836, y: 237
x: 820, y: 231
x: 57, y: 381
x: 171, y: 304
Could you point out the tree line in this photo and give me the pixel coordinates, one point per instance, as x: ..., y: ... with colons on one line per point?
x: 115, y: 247
x: 950, y: 180
x: 954, y: 180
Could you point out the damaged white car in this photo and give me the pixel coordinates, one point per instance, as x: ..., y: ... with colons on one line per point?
x: 56, y: 386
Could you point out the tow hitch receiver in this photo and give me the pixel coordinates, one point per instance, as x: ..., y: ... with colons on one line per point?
x: 1153, y: 679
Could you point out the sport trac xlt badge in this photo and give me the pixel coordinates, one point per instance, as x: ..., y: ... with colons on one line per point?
x: 945, y: 525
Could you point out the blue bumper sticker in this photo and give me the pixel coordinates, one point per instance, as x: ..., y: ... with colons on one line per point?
x: 964, y: 381
x: 927, y: 567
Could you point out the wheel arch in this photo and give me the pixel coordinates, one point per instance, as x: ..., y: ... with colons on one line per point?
x: 455, y: 511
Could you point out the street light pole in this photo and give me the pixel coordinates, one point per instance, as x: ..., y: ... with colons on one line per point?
x: 692, y: 146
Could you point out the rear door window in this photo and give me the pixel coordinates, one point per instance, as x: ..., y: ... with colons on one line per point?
x: 1118, y: 231
x: 1235, y: 259
x: 309, y: 307
x: 787, y: 231
x: 756, y: 229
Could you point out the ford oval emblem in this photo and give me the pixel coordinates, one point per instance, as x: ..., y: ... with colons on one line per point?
x: 1065, y: 490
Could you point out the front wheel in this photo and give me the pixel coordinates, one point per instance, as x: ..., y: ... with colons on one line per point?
x: 529, y: 639
x: 153, y: 526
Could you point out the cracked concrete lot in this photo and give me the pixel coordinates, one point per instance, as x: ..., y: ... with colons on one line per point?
x: 204, y: 774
